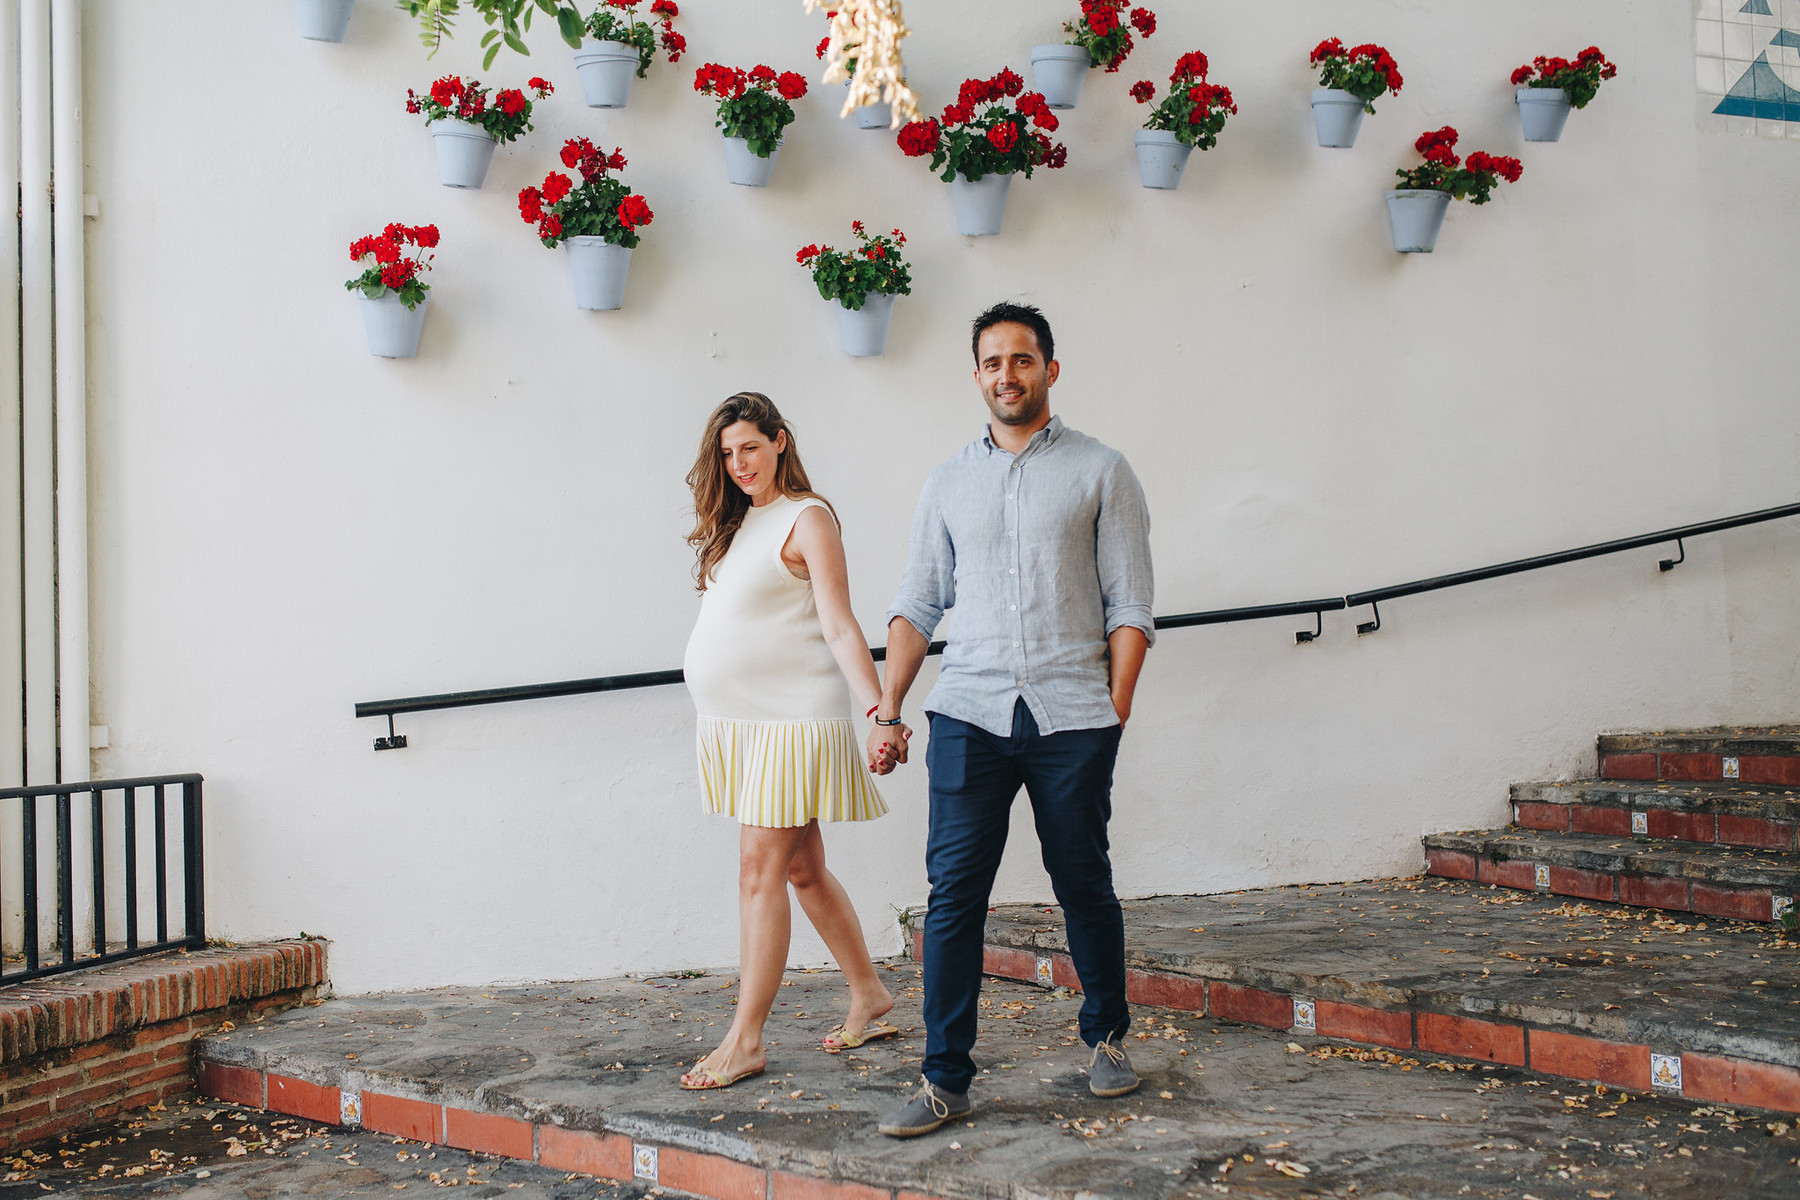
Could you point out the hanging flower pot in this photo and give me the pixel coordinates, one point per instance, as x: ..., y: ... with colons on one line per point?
x: 465, y: 125
x: 596, y: 221
x: 1416, y: 208
x: 324, y: 20
x: 1161, y: 158
x: 745, y: 167
x: 980, y: 203
x: 392, y: 328
x: 982, y: 143
x: 1416, y: 216
x: 463, y: 153
x: 1189, y: 118
x: 1543, y: 112
x: 393, y: 297
x: 1550, y: 87
x: 598, y: 269
x: 861, y: 283
x: 863, y: 331
x: 1349, y: 83
x: 606, y: 70
x: 755, y: 106
x: 1058, y: 71
x: 1100, y: 36
x: 1337, y: 115
x: 620, y: 48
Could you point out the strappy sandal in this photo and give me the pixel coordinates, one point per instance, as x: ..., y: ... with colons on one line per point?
x: 842, y: 1039
x: 703, y: 1078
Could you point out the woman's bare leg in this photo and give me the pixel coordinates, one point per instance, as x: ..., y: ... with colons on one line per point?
x: 828, y: 907
x: 765, y: 857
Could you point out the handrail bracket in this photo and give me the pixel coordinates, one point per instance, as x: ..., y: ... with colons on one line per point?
x: 1669, y: 564
x: 1368, y: 627
x: 393, y: 741
x: 1312, y: 635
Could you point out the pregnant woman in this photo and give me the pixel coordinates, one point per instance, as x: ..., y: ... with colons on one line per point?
x: 772, y: 664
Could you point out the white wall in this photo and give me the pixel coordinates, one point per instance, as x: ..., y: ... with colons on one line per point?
x: 284, y: 525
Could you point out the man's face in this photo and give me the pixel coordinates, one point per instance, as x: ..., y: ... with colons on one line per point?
x: 1013, y: 376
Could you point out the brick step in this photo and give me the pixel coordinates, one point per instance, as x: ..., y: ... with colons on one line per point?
x: 77, y: 1050
x: 1768, y: 754
x: 1722, y: 881
x: 1733, y: 814
x: 1620, y: 996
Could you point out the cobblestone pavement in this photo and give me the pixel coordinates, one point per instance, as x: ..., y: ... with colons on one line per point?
x: 1223, y: 1106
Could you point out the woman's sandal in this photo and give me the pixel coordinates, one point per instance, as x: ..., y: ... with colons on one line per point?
x: 842, y: 1039
x: 706, y: 1079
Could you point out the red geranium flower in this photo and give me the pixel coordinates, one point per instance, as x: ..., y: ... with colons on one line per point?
x: 674, y: 44
x: 761, y: 74
x: 664, y: 8
x: 531, y: 206
x: 1329, y: 48
x: 634, y: 211
x: 539, y: 85
x: 1144, y: 20
x: 791, y: 85
x: 919, y: 138
x: 1143, y: 91
x: 1004, y: 136
x: 556, y: 186
x: 511, y: 101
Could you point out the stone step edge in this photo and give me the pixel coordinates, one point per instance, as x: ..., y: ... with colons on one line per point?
x: 1676, y: 893
x: 1538, y: 807
x: 665, y: 1157
x: 1693, y: 1075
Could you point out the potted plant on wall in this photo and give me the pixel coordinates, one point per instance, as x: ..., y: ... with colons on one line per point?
x: 393, y: 296
x: 879, y: 115
x: 755, y: 106
x: 1189, y: 117
x: 596, y: 221
x: 465, y: 127
x: 1549, y: 87
x: 981, y: 143
x: 1349, y: 82
x: 324, y: 20
x: 623, y: 47
x: 1101, y: 35
x: 1418, y: 202
x: 863, y: 282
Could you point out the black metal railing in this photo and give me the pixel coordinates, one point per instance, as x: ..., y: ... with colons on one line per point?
x: 118, y: 871
x: 1315, y: 608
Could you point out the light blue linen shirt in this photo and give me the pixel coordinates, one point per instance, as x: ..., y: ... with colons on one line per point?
x: 1042, y: 555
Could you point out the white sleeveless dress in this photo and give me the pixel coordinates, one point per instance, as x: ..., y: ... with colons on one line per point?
x: 776, y: 737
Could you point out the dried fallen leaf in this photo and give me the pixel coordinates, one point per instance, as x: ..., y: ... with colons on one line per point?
x: 1295, y: 1048
x: 1294, y: 1169
x: 1166, y: 1095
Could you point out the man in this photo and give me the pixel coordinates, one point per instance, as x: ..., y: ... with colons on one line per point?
x: 1038, y: 536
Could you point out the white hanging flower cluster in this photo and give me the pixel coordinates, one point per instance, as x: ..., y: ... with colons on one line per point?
x: 868, y: 34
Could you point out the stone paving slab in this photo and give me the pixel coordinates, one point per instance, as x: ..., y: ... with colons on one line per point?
x: 1674, y: 981
x: 1225, y: 1108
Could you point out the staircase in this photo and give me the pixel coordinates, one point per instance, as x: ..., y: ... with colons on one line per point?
x: 1699, y: 821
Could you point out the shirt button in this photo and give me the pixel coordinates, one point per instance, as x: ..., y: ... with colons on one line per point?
x: 1015, y: 608
x: 1012, y: 570
x: 1012, y: 533
x: 1015, y: 645
x: 1010, y: 496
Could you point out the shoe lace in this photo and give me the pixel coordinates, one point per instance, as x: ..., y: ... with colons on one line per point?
x: 940, y: 1108
x: 1113, y: 1051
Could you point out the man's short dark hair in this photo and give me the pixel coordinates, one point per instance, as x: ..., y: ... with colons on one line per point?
x: 1019, y: 314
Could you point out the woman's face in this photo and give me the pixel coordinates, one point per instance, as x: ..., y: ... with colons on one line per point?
x: 751, y: 458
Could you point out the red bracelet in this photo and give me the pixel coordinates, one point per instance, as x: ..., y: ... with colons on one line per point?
x: 871, y: 711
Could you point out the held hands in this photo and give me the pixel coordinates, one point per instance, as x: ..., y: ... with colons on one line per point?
x: 886, y: 747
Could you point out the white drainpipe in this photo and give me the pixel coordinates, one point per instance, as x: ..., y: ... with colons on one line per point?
x: 71, y: 391
x: 38, y: 400
x: 12, y: 664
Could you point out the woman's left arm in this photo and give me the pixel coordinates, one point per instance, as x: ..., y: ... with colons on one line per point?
x: 816, y: 537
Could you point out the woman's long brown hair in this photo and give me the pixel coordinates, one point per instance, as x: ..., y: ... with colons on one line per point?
x: 719, y: 503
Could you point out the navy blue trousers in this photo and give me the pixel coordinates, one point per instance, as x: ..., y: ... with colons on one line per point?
x: 974, y: 777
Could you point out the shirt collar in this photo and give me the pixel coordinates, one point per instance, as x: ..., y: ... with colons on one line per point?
x: 1039, y: 440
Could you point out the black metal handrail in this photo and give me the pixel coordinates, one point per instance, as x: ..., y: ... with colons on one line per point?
x: 121, y: 868
x: 1316, y: 608
x: 1678, y: 535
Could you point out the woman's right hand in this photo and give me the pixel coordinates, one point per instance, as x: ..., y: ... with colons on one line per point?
x: 886, y: 746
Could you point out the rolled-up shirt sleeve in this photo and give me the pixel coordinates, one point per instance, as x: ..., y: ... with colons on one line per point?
x: 1122, y: 552
x: 928, y: 587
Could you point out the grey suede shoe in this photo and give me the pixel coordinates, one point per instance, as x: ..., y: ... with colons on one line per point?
x: 926, y: 1111
x: 1110, y: 1073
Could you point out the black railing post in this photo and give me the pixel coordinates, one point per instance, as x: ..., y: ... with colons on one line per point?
x: 131, y: 853
x: 99, y: 823
x: 162, y: 867
x: 65, y: 876
x: 29, y: 879
x: 193, y: 863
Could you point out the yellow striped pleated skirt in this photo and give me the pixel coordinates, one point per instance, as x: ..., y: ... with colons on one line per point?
x: 781, y: 774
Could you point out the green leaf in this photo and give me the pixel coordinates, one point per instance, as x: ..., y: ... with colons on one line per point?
x: 568, y: 21
x: 487, y: 60
x: 516, y: 44
x: 487, y: 39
